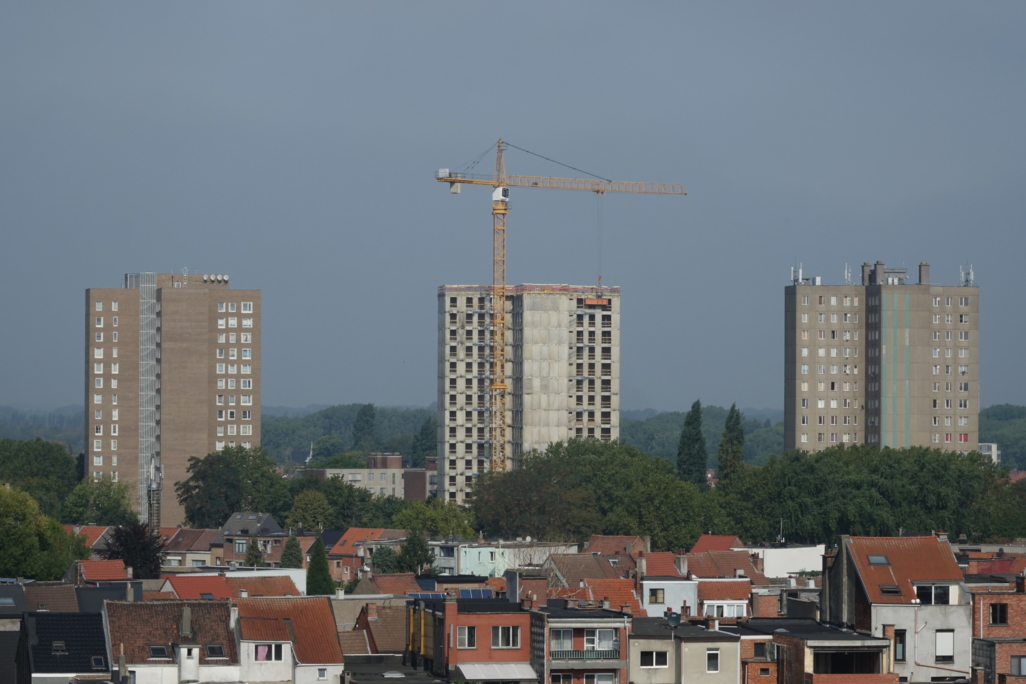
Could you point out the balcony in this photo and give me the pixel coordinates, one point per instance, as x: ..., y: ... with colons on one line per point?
x: 585, y: 655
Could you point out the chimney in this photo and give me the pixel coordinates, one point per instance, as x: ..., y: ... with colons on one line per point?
x: 681, y: 561
x: 605, y: 603
x: 810, y: 582
x: 642, y: 565
x: 243, y: 593
x: 128, y: 572
x: 122, y: 666
x: 372, y: 611
x: 648, y: 543
x: 924, y: 273
x: 527, y: 603
x: 340, y: 593
x: 878, y: 274
x: 129, y: 594
x: 572, y: 603
x: 739, y: 572
x: 186, y: 628
x: 625, y: 608
x: 580, y: 584
x: 866, y: 270
x: 792, y: 582
x: 20, y: 580
x: 757, y: 561
x: 233, y: 615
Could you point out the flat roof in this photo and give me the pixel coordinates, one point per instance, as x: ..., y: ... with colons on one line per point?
x: 808, y: 629
x: 649, y: 627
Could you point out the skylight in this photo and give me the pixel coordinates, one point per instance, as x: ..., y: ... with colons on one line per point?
x: 878, y: 560
x: 252, y: 517
x: 96, y: 662
x: 59, y: 648
x: 215, y: 651
x: 158, y: 651
x: 892, y: 589
x: 6, y: 601
x: 207, y: 596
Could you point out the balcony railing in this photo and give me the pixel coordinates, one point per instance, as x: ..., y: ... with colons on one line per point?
x: 585, y: 655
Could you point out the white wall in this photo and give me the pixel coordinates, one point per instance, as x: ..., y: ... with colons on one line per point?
x: 921, y: 648
x: 788, y: 561
x: 253, y: 670
x: 307, y: 674
x: 675, y: 593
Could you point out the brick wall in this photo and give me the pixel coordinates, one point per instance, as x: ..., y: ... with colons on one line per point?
x: 765, y: 605
x: 891, y: 678
x: 750, y: 672
x: 1016, y: 626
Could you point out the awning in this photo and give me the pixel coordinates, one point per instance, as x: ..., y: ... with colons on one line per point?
x: 503, y: 672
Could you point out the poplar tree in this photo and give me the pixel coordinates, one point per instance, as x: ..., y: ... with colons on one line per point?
x: 731, y: 454
x: 292, y: 554
x: 318, y: 577
x: 691, y: 453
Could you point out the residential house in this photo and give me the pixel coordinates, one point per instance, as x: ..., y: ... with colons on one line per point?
x: 726, y: 564
x: 93, y: 536
x: 568, y: 570
x: 12, y: 606
x: 288, y: 639
x: 726, y: 599
x: 296, y: 575
x: 757, y: 667
x: 348, y: 557
x: 384, y: 626
x: 204, y: 587
x: 254, y: 586
x: 56, y: 648
x: 580, y: 645
x: 476, y: 640
x: 173, y: 640
x: 616, y: 545
x: 663, y: 582
x: 998, y: 629
x: 84, y: 572
x: 907, y: 590
x: 243, y: 528
x: 91, y: 598
x: 716, y: 542
x: 805, y: 650
x: 188, y: 548
x: 52, y: 597
x: 347, y: 609
x: 391, y: 584
x: 618, y: 593
x: 659, y: 654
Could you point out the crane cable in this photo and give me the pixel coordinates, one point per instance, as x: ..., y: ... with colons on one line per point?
x: 508, y: 144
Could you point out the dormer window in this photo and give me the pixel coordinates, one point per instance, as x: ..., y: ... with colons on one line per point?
x: 158, y: 651
x: 878, y: 560
x: 933, y: 594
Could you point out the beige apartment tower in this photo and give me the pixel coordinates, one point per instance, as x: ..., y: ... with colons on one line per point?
x: 172, y: 371
x: 886, y: 362
x: 562, y: 368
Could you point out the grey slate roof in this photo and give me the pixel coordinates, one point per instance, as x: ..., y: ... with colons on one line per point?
x: 12, y: 600
x: 248, y: 524
x: 82, y: 636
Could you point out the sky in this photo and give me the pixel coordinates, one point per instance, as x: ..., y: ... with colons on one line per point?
x: 293, y: 146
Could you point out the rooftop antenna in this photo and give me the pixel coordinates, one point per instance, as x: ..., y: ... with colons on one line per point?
x: 185, y: 277
x: 965, y: 278
x: 798, y: 280
x: 847, y: 274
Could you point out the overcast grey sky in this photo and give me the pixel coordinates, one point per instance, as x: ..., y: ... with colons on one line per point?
x: 293, y: 146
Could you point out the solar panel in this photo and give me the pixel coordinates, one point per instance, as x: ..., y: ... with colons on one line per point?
x: 427, y: 595
x: 476, y: 593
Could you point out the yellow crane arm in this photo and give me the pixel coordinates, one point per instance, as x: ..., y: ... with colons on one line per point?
x: 592, y: 184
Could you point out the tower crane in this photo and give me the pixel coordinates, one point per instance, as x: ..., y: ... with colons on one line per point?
x: 500, y: 207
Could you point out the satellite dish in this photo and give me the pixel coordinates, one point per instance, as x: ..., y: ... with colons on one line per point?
x: 673, y: 619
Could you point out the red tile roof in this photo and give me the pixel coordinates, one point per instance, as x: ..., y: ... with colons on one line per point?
x: 573, y: 567
x: 351, y: 541
x: 399, y: 583
x: 103, y: 570
x: 91, y: 533
x: 193, y: 587
x: 354, y: 642
x: 190, y: 540
x: 312, y: 622
x: 614, y: 544
x: 720, y: 590
x: 715, y: 542
x: 661, y: 564
x: 724, y: 564
x: 619, y: 592
x: 280, y: 585
x: 139, y: 624
x: 908, y: 559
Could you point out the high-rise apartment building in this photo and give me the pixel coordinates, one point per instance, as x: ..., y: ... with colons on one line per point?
x: 886, y: 362
x: 562, y: 368
x: 172, y: 371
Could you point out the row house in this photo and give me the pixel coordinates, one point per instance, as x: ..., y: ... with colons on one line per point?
x: 242, y: 530
x: 352, y: 553
x: 660, y: 654
x: 575, y: 645
x: 188, y: 548
x: 998, y: 627
x: 909, y: 591
x: 288, y: 639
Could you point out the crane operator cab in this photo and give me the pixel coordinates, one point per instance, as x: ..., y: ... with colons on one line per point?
x: 501, y: 194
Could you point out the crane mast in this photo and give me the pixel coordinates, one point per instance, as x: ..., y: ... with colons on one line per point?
x: 500, y: 207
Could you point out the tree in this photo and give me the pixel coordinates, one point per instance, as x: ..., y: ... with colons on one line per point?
x: 440, y: 518
x: 415, y: 555
x: 692, y: 457
x: 424, y: 443
x: 292, y: 554
x: 349, y: 459
x: 98, y: 502
x: 46, y: 471
x: 386, y: 560
x: 212, y: 492
x: 350, y: 504
x: 318, y: 577
x: 32, y: 544
x: 363, y: 429
x: 138, y: 547
x: 326, y: 447
x: 254, y: 559
x: 310, y: 510
x: 381, y: 509
x: 731, y: 454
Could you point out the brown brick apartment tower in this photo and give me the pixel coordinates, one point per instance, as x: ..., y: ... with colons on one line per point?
x: 172, y: 371
x: 884, y: 362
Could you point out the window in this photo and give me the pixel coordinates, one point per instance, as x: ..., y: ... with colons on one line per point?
x: 805, y: 318
x: 600, y: 640
x: 1018, y: 664
x: 654, y: 659
x: 267, y: 652
x: 159, y: 651
x: 506, y: 637
x: 322, y: 673
x: 466, y: 637
x: 658, y: 595
x: 945, y: 642
x: 562, y: 640
x: 240, y: 544
x: 933, y: 594
x: 899, y: 645
x: 97, y: 460
x: 805, y: 369
x: 247, y: 369
x: 999, y: 613
x: 712, y: 660
x: 247, y: 322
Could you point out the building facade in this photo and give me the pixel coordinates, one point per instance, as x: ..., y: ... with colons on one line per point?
x: 562, y: 368
x: 172, y: 371
x: 886, y: 362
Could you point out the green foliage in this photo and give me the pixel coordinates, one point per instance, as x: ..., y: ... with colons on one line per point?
x: 415, y: 555
x: 45, y: 470
x: 438, y: 517
x: 235, y: 479
x: 386, y: 560
x: 364, y: 438
x: 692, y: 457
x: 583, y: 487
x: 311, y: 511
x: 292, y: 554
x: 326, y: 447
x: 68, y: 428
x: 659, y: 435
x: 382, y: 509
x: 1005, y: 425
x: 731, y: 454
x: 138, y: 547
x: 349, y: 459
x: 32, y: 544
x: 99, y: 502
x: 254, y: 559
x: 318, y: 576
x: 425, y: 443
x: 289, y: 438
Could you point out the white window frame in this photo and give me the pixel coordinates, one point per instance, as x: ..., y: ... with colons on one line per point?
x: 466, y: 637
